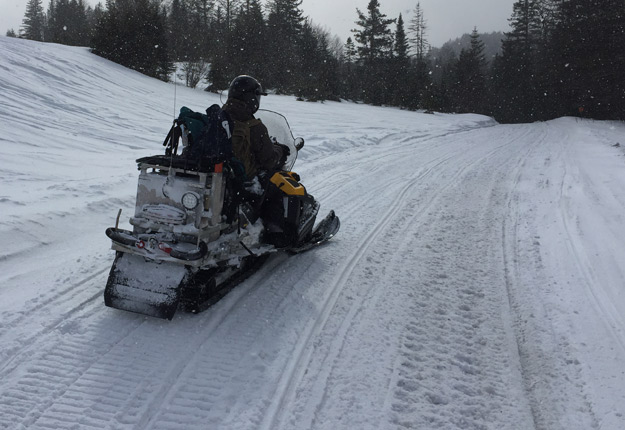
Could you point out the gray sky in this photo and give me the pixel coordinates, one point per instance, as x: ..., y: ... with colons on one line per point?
x: 446, y: 19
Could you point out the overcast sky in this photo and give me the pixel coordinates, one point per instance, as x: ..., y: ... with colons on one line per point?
x: 446, y: 19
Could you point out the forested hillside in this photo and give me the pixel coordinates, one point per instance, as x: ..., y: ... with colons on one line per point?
x: 560, y: 57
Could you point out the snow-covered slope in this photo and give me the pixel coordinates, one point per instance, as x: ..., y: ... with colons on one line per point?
x: 478, y: 280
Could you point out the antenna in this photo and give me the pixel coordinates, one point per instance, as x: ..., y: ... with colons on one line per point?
x: 173, y: 146
x: 175, y: 90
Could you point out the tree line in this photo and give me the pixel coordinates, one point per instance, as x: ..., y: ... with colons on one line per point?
x: 561, y: 57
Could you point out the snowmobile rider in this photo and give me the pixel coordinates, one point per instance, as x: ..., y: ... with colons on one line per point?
x: 251, y: 143
x: 260, y: 155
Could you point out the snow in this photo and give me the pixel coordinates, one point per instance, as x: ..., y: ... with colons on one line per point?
x: 477, y: 281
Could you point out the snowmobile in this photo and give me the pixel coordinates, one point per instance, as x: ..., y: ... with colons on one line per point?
x: 195, y: 236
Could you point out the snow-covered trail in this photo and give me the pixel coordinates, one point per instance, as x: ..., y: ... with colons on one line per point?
x: 565, y: 274
x: 477, y: 280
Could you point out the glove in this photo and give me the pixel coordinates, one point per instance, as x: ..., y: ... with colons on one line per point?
x: 286, y: 151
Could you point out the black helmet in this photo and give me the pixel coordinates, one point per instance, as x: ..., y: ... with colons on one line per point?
x: 248, y: 90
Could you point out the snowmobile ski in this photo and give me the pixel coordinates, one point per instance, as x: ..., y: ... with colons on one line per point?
x: 324, y: 231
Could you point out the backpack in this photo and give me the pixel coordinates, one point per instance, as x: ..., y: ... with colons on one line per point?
x: 206, y: 137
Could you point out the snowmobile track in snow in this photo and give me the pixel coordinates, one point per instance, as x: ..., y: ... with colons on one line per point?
x: 538, y: 353
x: 300, y: 364
x: 613, y: 319
x: 295, y: 369
x: 103, y: 361
x: 42, y: 307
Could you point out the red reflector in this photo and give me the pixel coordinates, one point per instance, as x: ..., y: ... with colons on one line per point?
x: 140, y: 244
x: 163, y: 247
x: 219, y: 168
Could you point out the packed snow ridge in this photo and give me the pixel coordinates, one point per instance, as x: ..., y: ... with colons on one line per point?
x: 478, y: 281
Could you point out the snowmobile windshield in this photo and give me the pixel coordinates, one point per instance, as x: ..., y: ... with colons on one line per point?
x: 279, y: 129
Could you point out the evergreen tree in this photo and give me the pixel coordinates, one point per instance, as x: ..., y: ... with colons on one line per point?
x: 470, y: 78
x: 188, y: 24
x: 549, y: 16
x: 375, y: 42
x: 401, y: 47
x: 50, y: 22
x: 350, y: 51
x: 443, y: 66
x: 319, y: 74
x: 68, y: 22
x: 374, y: 37
x: 221, y: 70
x: 422, y: 85
x: 284, y: 28
x: 249, y: 42
x: 228, y: 8
x: 11, y: 33
x: 225, y: 60
x: 80, y: 28
x: 311, y: 56
x: 588, y: 59
x: 199, y: 37
x: 519, y: 63
x: 133, y: 33
x: 403, y: 88
x: 418, y: 28
x: 420, y: 75
x: 33, y: 23
x: 179, y: 31
x: 477, y: 51
x: 329, y: 79
x: 93, y: 17
x: 348, y: 83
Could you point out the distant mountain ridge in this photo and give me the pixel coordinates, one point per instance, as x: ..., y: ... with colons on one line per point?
x: 492, y: 45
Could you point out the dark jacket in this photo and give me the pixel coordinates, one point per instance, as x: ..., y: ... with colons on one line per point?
x: 262, y: 153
